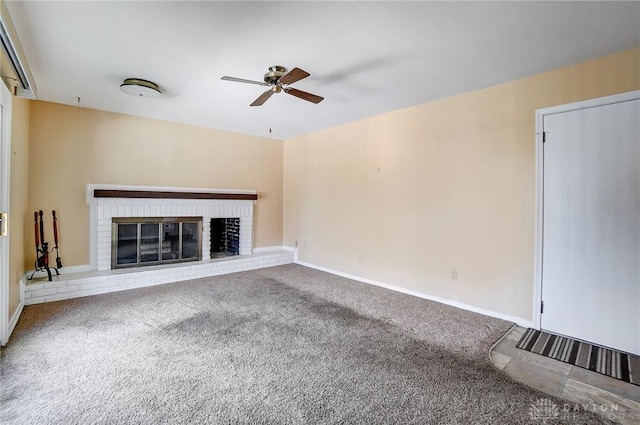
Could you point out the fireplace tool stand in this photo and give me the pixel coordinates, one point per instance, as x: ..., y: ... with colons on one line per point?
x: 42, y: 247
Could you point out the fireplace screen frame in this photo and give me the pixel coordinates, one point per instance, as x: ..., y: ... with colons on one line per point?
x: 159, y: 221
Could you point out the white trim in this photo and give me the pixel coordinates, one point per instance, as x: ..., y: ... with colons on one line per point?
x: 5, y: 157
x: 590, y: 103
x: 540, y: 114
x: 518, y: 320
x: 271, y: 248
x: 278, y: 248
x: 25, y: 86
x: 537, y: 255
x: 295, y: 252
x: 93, y: 235
x: 15, y: 317
x: 16, y: 314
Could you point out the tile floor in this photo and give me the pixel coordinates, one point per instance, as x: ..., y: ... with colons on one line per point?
x: 611, y: 398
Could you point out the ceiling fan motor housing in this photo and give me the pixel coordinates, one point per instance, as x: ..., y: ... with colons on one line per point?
x: 274, y: 74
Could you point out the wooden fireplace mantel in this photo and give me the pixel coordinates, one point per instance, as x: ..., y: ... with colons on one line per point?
x: 153, y: 194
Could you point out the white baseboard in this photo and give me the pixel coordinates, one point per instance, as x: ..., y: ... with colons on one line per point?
x: 295, y: 252
x: 509, y: 318
x: 16, y: 314
x: 269, y: 249
x: 278, y: 248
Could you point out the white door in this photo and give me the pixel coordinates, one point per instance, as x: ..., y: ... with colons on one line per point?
x: 5, y: 161
x: 591, y: 225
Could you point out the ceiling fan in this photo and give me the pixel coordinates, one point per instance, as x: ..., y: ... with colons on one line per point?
x: 278, y: 79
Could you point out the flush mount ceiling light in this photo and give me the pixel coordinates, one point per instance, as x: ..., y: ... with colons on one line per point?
x: 141, y: 88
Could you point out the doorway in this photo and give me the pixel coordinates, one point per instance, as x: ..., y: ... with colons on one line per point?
x: 589, y: 221
x: 5, y: 173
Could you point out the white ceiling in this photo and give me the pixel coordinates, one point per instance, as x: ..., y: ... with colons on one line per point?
x: 365, y: 58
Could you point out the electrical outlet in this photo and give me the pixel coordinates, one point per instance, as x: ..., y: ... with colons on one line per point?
x: 454, y: 274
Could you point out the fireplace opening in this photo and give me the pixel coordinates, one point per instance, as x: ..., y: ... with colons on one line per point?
x: 150, y: 241
x: 225, y: 237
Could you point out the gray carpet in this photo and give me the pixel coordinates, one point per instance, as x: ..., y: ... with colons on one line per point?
x: 284, y: 345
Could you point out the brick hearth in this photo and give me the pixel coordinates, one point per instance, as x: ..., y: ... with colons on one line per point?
x: 122, y: 201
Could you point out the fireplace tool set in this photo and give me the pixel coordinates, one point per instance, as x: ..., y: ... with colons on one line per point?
x: 42, y: 247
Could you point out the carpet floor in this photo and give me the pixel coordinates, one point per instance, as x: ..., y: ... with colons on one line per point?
x: 283, y: 345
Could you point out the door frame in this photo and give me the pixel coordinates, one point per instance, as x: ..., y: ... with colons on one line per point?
x: 5, y: 166
x: 539, y: 221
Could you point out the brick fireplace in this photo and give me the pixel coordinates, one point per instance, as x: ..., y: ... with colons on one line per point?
x: 107, y: 203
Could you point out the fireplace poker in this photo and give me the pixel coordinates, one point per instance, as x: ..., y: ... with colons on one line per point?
x: 40, y: 214
x: 55, y: 239
x: 36, y: 232
x: 42, y: 247
x: 44, y: 258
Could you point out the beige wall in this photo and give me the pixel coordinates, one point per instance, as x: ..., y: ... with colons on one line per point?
x: 18, y: 198
x: 407, y: 197
x: 71, y: 147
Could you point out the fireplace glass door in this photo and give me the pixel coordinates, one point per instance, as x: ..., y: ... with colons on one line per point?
x: 150, y: 241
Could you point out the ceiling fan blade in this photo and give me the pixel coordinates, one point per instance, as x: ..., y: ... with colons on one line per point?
x: 242, y: 80
x: 262, y: 98
x: 304, y: 95
x: 296, y: 74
